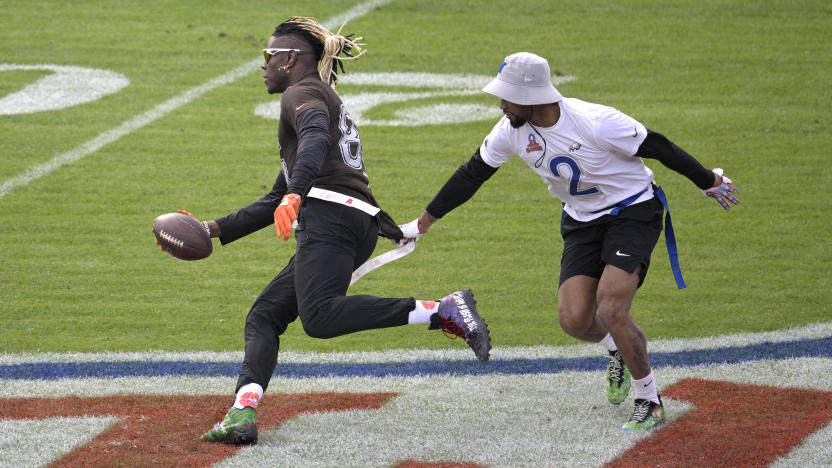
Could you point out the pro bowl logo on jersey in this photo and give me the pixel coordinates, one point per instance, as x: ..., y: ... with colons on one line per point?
x: 533, y: 144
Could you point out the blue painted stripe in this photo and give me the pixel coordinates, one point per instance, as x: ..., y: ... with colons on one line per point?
x: 820, y: 347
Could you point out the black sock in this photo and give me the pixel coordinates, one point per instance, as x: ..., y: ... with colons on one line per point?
x: 435, y: 321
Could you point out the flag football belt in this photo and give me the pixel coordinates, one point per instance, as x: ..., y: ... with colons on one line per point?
x: 377, y: 261
x: 382, y: 259
x: 670, y: 240
x: 669, y: 235
x: 341, y: 199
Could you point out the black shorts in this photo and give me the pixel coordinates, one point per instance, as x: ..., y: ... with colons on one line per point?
x: 625, y: 241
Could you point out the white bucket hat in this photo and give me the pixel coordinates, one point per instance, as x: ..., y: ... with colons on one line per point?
x: 524, y: 79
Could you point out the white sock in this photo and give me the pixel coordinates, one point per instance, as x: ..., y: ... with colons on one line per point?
x: 248, y: 395
x: 422, y: 312
x: 608, y: 342
x: 646, y: 388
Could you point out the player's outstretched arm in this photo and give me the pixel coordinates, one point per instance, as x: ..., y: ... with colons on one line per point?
x: 459, y: 188
x: 712, y: 182
x: 252, y: 217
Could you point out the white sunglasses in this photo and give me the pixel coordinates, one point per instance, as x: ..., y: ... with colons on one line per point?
x: 267, y: 53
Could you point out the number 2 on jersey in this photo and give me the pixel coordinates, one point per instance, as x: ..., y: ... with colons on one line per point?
x: 575, y: 179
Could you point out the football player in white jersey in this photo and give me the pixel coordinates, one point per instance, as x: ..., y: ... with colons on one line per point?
x: 590, y: 157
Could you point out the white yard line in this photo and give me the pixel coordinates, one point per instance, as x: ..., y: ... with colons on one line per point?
x: 41, y: 170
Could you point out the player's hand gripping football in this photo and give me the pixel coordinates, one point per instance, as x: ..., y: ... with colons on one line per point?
x: 722, y: 191
x: 204, y: 223
x: 286, y: 214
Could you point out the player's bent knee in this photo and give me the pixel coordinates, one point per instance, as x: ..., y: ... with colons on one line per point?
x: 316, y: 329
x: 320, y: 333
x: 613, y: 313
x: 575, y: 325
x: 272, y: 321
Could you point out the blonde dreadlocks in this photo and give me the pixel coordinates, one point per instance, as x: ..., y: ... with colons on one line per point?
x: 330, y: 49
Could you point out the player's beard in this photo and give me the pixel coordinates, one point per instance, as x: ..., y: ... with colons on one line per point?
x: 517, y: 122
x: 276, y: 84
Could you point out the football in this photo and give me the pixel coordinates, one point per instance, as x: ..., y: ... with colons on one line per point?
x: 182, y: 236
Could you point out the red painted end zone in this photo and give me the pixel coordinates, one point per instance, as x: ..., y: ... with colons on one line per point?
x: 167, y: 430
x: 732, y: 425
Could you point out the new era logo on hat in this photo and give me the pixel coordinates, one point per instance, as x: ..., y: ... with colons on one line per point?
x: 524, y: 78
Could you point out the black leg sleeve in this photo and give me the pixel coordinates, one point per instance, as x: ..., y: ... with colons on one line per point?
x: 272, y: 312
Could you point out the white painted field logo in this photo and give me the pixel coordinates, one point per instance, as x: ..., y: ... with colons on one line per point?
x: 431, y: 86
x: 64, y: 86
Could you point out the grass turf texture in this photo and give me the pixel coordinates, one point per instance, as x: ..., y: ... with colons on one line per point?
x: 739, y: 86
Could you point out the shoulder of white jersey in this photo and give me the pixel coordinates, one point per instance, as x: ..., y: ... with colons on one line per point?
x: 586, y: 110
x: 590, y: 117
x: 496, y: 147
x: 583, y: 116
x: 504, y: 123
x: 502, y: 128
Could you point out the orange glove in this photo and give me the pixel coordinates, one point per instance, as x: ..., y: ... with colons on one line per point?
x: 285, y: 214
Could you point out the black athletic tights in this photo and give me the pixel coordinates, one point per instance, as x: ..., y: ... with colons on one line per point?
x: 332, y: 241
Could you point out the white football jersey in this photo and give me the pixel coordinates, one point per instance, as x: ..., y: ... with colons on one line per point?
x: 586, y: 158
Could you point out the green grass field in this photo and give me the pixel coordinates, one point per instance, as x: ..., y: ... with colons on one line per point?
x: 739, y: 85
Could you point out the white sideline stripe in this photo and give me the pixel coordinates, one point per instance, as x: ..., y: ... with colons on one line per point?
x: 41, y: 170
x: 810, y: 331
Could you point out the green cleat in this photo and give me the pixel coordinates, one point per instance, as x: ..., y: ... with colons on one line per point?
x: 646, y: 415
x: 618, y: 378
x: 238, y: 427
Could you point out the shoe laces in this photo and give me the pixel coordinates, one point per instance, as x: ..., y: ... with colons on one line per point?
x: 615, y: 369
x: 641, y: 410
x: 452, y: 330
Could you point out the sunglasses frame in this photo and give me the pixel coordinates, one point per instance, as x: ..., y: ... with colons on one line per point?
x: 269, y: 53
